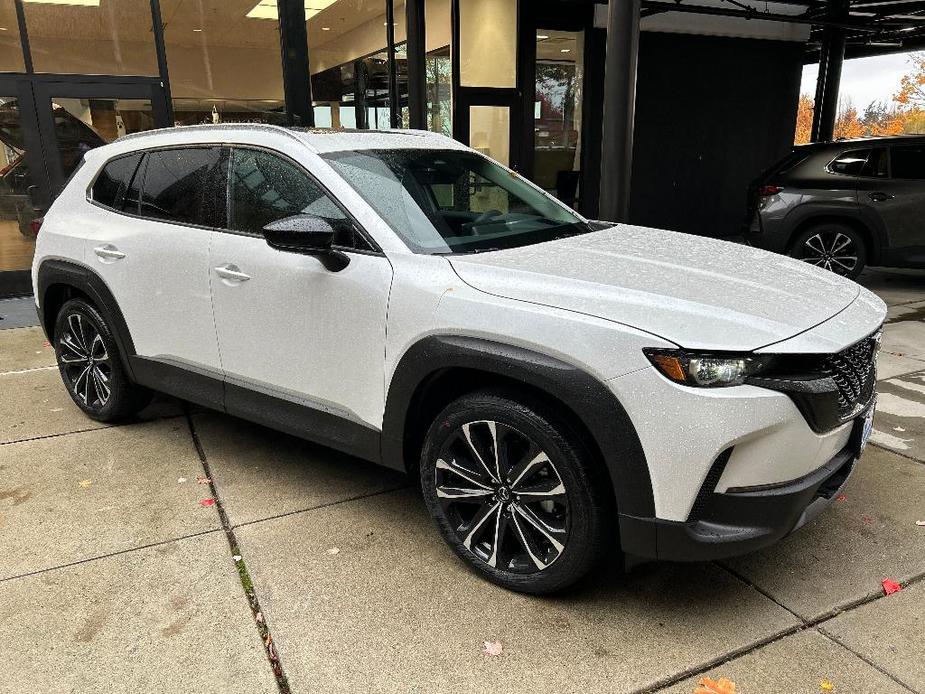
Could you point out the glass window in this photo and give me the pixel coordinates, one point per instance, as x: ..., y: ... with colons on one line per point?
x: 438, y: 66
x: 17, y: 241
x: 876, y: 166
x: 490, y: 131
x: 82, y: 124
x: 224, y: 61
x: 91, y: 37
x: 349, y: 62
x: 266, y: 187
x: 112, y: 182
x: 488, y: 28
x: 557, y: 112
x: 454, y: 201
x: 11, y: 59
x: 850, y: 163
x: 185, y: 185
x: 908, y: 162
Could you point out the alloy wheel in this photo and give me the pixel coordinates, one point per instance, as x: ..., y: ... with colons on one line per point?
x: 85, y: 361
x: 502, y: 497
x: 831, y: 250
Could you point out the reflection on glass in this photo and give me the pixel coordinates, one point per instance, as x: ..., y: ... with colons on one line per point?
x: 17, y: 242
x: 224, y: 61
x: 94, y: 37
x: 490, y: 131
x: 82, y: 124
x: 11, y: 59
x: 349, y: 63
x: 557, y: 124
x: 488, y: 43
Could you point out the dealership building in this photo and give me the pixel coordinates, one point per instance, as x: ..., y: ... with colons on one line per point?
x: 654, y: 112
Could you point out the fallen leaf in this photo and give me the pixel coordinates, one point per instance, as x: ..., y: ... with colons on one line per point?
x: 920, y: 523
x: 85, y: 483
x: 181, y: 480
x: 841, y: 497
x: 259, y: 618
x: 868, y: 520
x: 207, y: 502
x: 46, y: 344
x: 333, y: 550
x: 898, y: 429
x: 890, y: 586
x: 826, y: 686
x: 492, y: 648
x: 237, y: 557
x: 202, y: 479
x: 711, y: 686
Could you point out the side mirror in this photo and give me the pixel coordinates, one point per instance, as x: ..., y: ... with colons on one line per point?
x: 309, y: 235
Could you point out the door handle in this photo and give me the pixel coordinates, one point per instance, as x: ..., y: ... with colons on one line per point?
x: 231, y: 272
x: 108, y: 252
x: 877, y: 196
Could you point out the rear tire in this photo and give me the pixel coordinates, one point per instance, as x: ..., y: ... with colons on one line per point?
x: 832, y: 246
x: 91, y: 365
x: 515, y: 492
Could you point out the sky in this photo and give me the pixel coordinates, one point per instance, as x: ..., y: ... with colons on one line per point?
x: 864, y: 79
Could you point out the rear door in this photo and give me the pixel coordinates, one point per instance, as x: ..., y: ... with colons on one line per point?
x: 154, y: 252
x: 892, y: 195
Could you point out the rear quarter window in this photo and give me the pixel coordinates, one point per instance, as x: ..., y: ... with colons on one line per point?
x: 112, y: 182
x: 850, y: 163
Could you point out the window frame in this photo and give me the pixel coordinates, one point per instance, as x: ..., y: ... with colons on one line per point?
x: 143, y: 164
x: 96, y: 176
x: 374, y: 249
x: 828, y: 167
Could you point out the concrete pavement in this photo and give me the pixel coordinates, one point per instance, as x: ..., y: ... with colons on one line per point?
x: 116, y: 573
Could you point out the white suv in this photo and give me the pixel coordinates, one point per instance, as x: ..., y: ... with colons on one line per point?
x: 562, y: 387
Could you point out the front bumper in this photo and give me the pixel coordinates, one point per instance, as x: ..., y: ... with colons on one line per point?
x: 738, y: 522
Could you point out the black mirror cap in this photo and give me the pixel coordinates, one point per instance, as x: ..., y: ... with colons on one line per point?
x: 309, y: 235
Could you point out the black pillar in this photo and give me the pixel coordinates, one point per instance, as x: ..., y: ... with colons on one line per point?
x: 157, y: 24
x: 619, y: 108
x: 297, y: 85
x: 417, y: 76
x: 831, y: 59
x: 360, y: 89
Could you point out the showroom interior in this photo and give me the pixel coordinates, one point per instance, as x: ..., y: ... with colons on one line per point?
x: 705, y: 99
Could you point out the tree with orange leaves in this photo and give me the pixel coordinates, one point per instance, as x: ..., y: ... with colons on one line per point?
x: 804, y: 120
x: 912, y: 86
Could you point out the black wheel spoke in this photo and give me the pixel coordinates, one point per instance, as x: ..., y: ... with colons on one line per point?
x: 481, y: 522
x: 470, y: 438
x: 84, y: 361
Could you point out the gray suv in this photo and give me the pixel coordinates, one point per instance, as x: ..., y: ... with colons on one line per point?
x: 843, y: 205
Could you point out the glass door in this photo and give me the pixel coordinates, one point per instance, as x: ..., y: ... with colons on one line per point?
x: 75, y: 117
x: 487, y: 121
x: 557, y: 113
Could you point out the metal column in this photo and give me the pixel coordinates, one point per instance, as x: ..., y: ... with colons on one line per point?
x: 831, y: 59
x: 417, y: 77
x: 619, y: 108
x: 293, y: 40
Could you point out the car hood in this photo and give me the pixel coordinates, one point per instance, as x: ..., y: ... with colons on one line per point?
x: 696, y: 292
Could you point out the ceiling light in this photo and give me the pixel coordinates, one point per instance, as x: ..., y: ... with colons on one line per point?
x: 79, y: 3
x: 3, y: 29
x: 197, y: 30
x: 566, y: 50
x: 542, y: 37
x: 267, y: 9
x: 325, y: 28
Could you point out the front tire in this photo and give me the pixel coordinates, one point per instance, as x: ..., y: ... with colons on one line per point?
x: 91, y: 367
x: 832, y: 246
x: 515, y: 492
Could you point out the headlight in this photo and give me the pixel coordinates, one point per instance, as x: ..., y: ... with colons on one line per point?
x: 706, y: 370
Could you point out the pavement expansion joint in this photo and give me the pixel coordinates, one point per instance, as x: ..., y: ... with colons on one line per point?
x: 250, y: 592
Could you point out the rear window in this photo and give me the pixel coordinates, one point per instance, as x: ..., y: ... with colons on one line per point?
x: 112, y: 182
x: 850, y: 163
x: 186, y: 185
x: 908, y: 161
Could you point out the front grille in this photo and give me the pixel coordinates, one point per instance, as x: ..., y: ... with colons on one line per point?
x: 855, y: 374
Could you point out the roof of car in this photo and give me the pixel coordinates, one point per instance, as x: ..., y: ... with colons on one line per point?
x: 320, y: 140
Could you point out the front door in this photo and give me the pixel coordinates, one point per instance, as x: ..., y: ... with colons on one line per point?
x: 302, y: 347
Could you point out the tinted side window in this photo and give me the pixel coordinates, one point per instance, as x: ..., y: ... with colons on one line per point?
x: 266, y: 187
x: 876, y: 166
x: 112, y: 182
x: 185, y: 185
x: 908, y: 162
x: 850, y: 163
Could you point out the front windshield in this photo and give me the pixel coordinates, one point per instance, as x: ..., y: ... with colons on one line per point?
x: 451, y: 201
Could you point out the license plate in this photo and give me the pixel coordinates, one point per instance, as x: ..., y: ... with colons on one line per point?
x: 864, y: 426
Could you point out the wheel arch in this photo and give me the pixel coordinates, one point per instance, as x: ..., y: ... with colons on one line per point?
x: 61, y: 280
x: 438, y: 369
